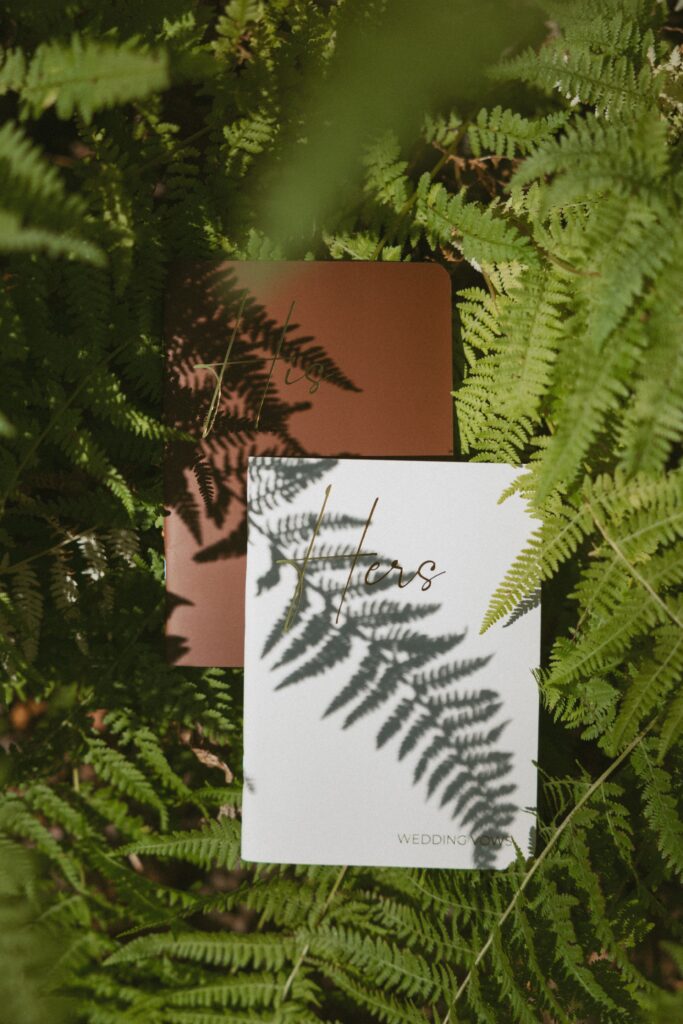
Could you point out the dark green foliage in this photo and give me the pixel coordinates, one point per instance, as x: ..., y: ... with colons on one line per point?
x: 29, y: 947
x: 135, y: 135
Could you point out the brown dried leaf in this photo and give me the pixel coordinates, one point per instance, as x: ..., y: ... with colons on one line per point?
x: 212, y: 761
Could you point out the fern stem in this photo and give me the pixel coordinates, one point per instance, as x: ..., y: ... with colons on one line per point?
x: 633, y: 571
x: 563, y: 265
x: 304, y: 952
x: 550, y: 845
x: 453, y: 903
x: 491, y: 290
x: 411, y: 200
x: 46, y: 551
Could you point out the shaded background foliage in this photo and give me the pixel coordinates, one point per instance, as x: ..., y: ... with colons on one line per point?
x: 537, y: 155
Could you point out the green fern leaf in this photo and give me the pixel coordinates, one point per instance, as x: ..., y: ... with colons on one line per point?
x: 87, y: 76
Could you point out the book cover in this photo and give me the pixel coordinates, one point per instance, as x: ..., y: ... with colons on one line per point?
x: 291, y: 358
x: 380, y: 726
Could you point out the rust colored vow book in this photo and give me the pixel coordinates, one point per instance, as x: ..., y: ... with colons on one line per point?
x: 285, y: 358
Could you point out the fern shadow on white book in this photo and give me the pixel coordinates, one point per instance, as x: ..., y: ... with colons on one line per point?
x: 347, y: 621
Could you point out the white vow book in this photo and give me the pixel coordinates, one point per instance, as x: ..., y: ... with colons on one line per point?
x: 380, y: 726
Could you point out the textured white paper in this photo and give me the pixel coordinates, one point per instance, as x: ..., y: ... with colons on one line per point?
x: 451, y: 781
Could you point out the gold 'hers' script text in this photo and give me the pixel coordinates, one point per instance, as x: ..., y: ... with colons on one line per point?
x: 301, y: 564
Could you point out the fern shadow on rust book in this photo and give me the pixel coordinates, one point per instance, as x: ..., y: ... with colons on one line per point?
x: 206, y: 458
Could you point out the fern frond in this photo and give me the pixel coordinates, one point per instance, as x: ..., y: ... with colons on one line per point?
x: 263, y: 952
x: 607, y: 83
x: 661, y: 808
x: 484, y: 238
x: 112, y: 767
x: 507, y: 133
x: 87, y: 76
x: 385, y: 172
x: 28, y: 603
x: 594, y: 157
x: 38, y: 214
x: 17, y: 820
x: 215, y: 844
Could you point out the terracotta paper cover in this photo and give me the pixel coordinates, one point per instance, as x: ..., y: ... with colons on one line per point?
x: 285, y: 358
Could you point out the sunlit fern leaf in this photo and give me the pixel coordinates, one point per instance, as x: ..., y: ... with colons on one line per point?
x: 85, y: 76
x: 607, y: 83
x: 593, y: 158
x: 507, y: 133
x: 484, y: 238
x: 214, y: 844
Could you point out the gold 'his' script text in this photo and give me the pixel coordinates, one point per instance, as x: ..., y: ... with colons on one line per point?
x: 300, y: 565
x: 314, y: 374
